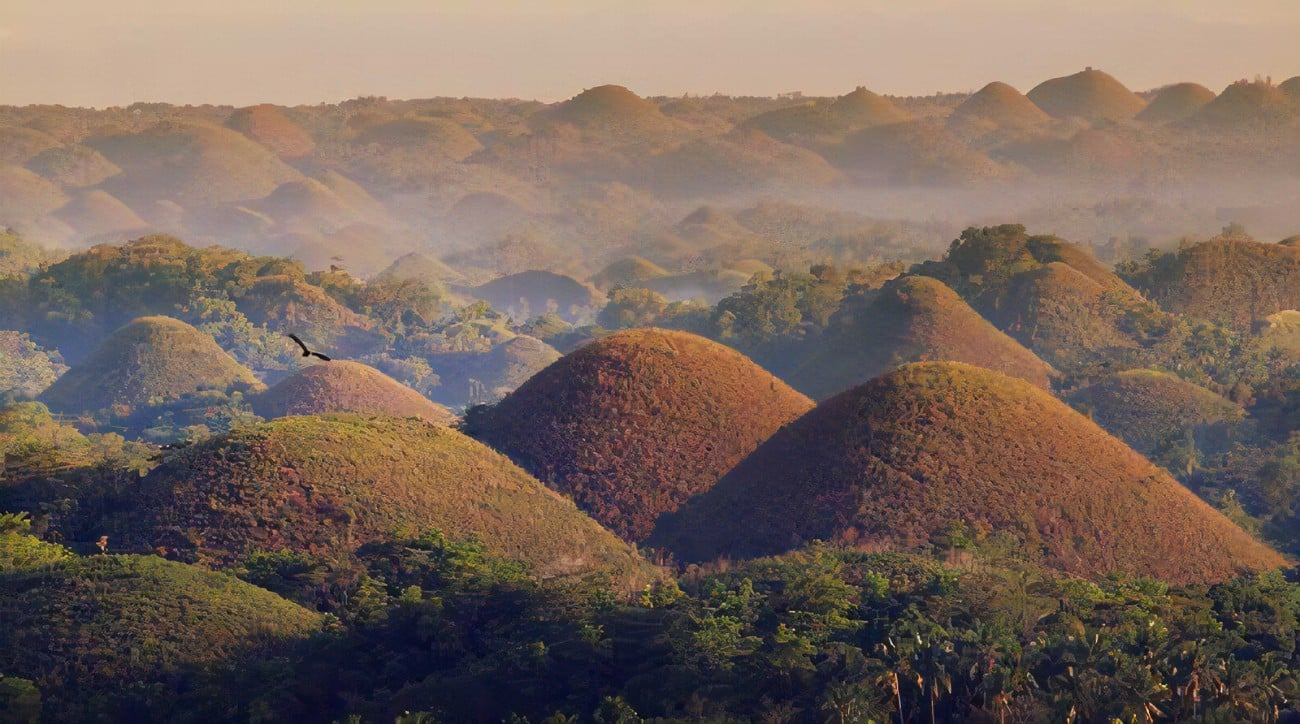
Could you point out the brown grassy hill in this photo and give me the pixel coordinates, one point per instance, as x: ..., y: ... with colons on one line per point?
x: 114, y: 621
x: 1231, y: 281
x: 1176, y: 102
x: 1291, y: 87
x: 354, y: 195
x: 912, y: 319
x: 630, y: 271
x: 1148, y: 409
x: 323, y: 484
x: 74, y: 166
x: 440, y: 135
x: 607, y: 109
x: 999, y: 106
x: 416, y: 266
x: 96, y: 212
x: 745, y: 159
x: 285, y: 303
x: 309, y: 205
x: 912, y: 152
x: 819, y: 122
x: 346, y: 386
x: 18, y: 144
x: 901, y: 459
x: 191, y: 163
x: 477, y: 378
x: 269, y: 126
x: 152, y: 358
x: 639, y: 422
x: 1247, y: 106
x: 533, y: 293
x: 1089, y: 94
x: 26, y: 196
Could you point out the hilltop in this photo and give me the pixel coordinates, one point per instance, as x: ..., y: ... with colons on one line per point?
x: 638, y: 422
x: 828, y: 120
x: 1247, y: 105
x: 115, y: 625
x: 269, y: 126
x: 316, y: 484
x: 1000, y: 106
x: 903, y: 458
x: 346, y: 386
x: 1150, y: 410
x: 533, y: 293
x: 1089, y: 94
x: 912, y: 319
x: 150, y: 359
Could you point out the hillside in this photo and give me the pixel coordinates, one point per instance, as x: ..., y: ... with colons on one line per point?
x: 1151, y: 410
x: 912, y: 319
x: 999, y: 106
x: 632, y: 271
x: 638, y: 422
x: 1231, y: 281
x: 73, y: 166
x: 1176, y: 102
x: 345, y: 386
x: 1089, y: 94
x: 817, y: 122
x: 115, y: 624
x: 744, y: 160
x: 150, y: 359
x: 898, y: 461
x: 914, y: 152
x: 1247, y: 106
x: 533, y: 293
x: 316, y: 484
x: 96, y: 213
x: 269, y: 126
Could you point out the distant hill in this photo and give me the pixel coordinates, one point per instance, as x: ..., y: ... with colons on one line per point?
x: 440, y: 135
x: 334, y: 483
x: 912, y: 319
x: 630, y: 271
x: 269, y: 126
x: 533, y: 293
x: 1089, y: 94
x: 97, y: 213
x: 73, y: 166
x: 152, y: 358
x: 1176, y: 102
x: 607, y: 110
x: 18, y: 144
x: 485, y: 377
x: 998, y: 106
x: 416, y: 266
x: 901, y: 459
x: 346, y: 386
x: 25, y: 196
x: 1247, y: 106
x: 1231, y: 281
x: 115, y: 625
x: 817, y: 122
x: 744, y: 160
x: 1149, y: 410
x: 915, y: 152
x: 638, y: 422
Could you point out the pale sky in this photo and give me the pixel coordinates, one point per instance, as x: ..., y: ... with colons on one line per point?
x: 106, y: 52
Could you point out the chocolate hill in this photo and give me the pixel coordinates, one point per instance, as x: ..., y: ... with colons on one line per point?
x: 1089, y: 94
x: 912, y: 319
x: 346, y: 386
x: 639, y: 422
x: 318, y: 484
x: 1231, y: 281
x: 150, y: 359
x: 1247, y: 106
x: 999, y: 106
x: 1148, y: 409
x: 532, y: 293
x: 1176, y: 102
x: 899, y: 460
x: 269, y: 126
x: 825, y: 121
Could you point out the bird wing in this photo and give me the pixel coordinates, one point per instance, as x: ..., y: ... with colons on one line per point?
x: 294, y: 337
x: 318, y: 354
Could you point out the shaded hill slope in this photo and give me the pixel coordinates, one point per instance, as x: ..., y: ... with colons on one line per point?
x: 344, y: 386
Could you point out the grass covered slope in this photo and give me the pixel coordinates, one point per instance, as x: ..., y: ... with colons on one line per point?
x: 1089, y: 94
x: 320, y: 484
x: 913, y: 319
x: 639, y: 422
x: 101, y: 622
x: 346, y: 386
x: 152, y: 358
x: 903, y: 458
x: 1148, y: 409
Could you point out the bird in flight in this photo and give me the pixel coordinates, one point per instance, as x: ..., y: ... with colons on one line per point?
x: 306, y: 352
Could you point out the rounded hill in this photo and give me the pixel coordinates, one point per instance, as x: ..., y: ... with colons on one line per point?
x: 609, y: 109
x: 96, y: 213
x: 1247, y: 105
x: 903, y: 458
x: 346, y: 386
x: 533, y: 293
x: 1089, y: 94
x: 73, y: 166
x: 637, y: 423
x: 1176, y: 102
x: 1000, y: 106
x: 631, y: 271
x: 915, y: 152
x: 1149, y: 410
x: 442, y: 135
x: 151, y: 359
x: 320, y: 484
x: 913, y: 319
x: 107, y: 621
x: 828, y: 121
x: 269, y: 126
